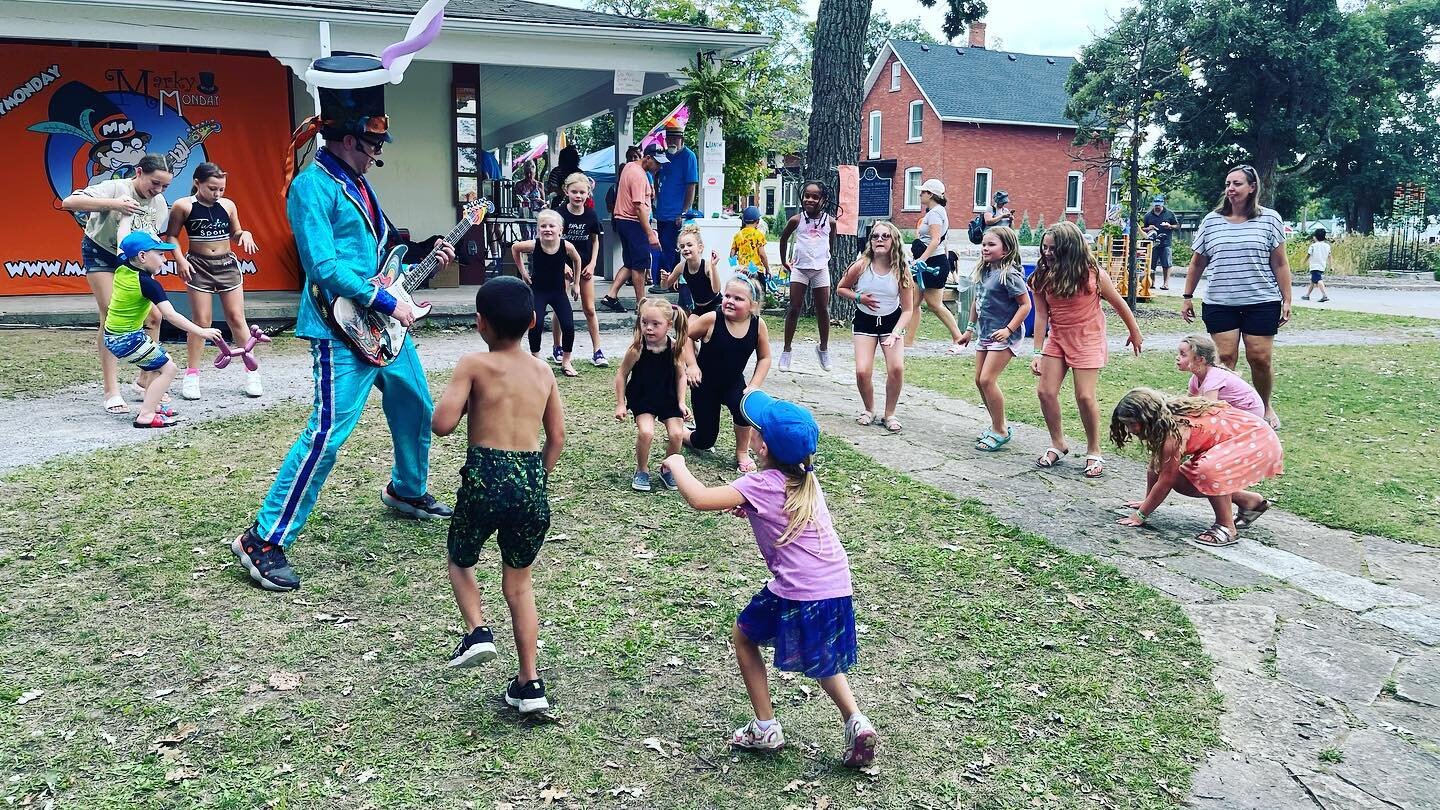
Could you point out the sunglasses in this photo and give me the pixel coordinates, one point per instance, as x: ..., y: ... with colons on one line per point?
x: 882, y: 235
x: 1247, y: 169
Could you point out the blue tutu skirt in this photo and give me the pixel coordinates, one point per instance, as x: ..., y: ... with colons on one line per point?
x: 814, y: 638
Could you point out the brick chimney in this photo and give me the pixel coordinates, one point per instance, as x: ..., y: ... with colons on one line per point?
x: 977, y: 34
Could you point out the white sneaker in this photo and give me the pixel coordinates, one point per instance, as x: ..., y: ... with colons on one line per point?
x: 190, y: 386
x: 784, y: 361
x: 252, y: 384
x: 824, y: 357
x: 752, y: 737
x: 860, y: 742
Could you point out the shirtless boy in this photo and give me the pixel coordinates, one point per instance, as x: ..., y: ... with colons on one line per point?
x: 509, y: 396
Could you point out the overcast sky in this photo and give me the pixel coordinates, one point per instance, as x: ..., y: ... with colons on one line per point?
x: 1050, y: 27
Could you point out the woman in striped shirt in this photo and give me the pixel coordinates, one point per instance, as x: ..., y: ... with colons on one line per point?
x: 1247, y: 294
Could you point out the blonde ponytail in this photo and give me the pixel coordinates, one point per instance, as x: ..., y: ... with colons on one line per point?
x: 802, y: 498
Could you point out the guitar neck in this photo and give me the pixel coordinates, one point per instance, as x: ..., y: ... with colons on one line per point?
x: 420, y: 273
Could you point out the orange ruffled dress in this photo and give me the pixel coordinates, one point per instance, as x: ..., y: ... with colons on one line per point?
x: 1077, y: 327
x: 1230, y: 450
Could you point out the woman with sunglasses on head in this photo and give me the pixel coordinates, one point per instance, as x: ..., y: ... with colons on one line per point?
x: 1247, y: 295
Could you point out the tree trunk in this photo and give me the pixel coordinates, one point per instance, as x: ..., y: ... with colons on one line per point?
x: 1132, y: 258
x: 838, y: 76
x: 1363, y: 218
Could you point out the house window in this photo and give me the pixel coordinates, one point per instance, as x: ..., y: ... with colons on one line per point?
x: 912, y: 188
x: 769, y: 200
x: 895, y: 75
x: 1072, y: 192
x: 1117, y: 185
x: 917, y: 119
x: 874, y: 134
x: 791, y: 194
x: 982, y: 189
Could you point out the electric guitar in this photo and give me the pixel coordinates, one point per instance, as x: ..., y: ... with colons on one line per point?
x: 373, y: 335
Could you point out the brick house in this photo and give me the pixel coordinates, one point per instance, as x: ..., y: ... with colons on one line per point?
x: 980, y: 121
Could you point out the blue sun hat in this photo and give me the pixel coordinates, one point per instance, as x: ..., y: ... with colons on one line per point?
x: 789, y: 431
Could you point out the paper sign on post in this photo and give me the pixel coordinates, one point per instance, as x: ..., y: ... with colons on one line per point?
x: 629, y: 82
x: 847, y: 220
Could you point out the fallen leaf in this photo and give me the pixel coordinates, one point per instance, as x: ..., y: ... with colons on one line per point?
x: 134, y: 652
x: 181, y: 735
x: 370, y: 656
x: 1075, y: 600
x: 674, y: 662
x: 552, y: 795
x: 794, y: 785
x: 33, y: 694
x: 612, y: 764
x: 367, y: 775
x: 285, y: 681
x: 284, y: 768
x: 181, y: 774
x: 655, y: 744
x: 1148, y: 635
x: 504, y: 806
x: 159, y: 693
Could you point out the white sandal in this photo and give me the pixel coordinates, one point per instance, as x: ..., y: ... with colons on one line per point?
x: 865, y: 418
x: 1058, y: 452
x: 116, y: 406
x: 1094, y: 466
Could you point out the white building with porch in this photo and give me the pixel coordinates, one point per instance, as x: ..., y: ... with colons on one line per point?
x: 500, y: 73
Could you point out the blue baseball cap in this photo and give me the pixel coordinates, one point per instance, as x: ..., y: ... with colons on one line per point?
x: 789, y: 431
x: 1159, y: 199
x: 750, y: 214
x: 138, y: 241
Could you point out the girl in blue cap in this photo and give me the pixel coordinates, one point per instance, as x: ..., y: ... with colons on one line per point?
x: 805, y: 611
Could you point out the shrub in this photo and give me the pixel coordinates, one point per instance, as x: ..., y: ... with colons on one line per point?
x: 1040, y: 230
x: 1355, y: 255
x: 1080, y: 222
x: 1180, y: 253
x: 1027, y: 236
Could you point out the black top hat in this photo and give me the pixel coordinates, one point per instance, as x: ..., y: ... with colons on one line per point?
x: 358, y: 111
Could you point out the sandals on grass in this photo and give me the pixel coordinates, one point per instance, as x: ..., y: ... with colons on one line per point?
x: 1245, y: 518
x: 1051, y: 457
x: 1217, y: 536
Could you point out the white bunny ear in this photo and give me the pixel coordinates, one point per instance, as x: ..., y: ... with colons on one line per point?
x: 424, y: 28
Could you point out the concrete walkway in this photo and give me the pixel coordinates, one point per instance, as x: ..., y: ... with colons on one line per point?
x: 1325, y: 641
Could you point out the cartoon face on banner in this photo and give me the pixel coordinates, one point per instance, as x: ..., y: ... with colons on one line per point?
x: 79, y: 116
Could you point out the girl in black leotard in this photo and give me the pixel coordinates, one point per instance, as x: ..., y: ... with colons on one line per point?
x: 554, y: 264
x: 651, y: 384
x: 728, y: 337
x: 700, y: 277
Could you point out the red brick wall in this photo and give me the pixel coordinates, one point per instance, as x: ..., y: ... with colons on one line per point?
x: 1031, y: 163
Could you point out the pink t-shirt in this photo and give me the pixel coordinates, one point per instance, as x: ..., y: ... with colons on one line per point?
x: 813, y: 565
x: 1229, y: 387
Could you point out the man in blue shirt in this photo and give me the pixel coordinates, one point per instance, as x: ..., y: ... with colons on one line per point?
x: 1160, y: 224
x: 679, y: 179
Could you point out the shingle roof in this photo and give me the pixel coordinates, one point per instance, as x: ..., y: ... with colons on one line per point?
x: 500, y: 10
x: 976, y: 84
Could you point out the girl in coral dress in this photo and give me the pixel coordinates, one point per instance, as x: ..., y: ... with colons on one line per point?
x: 1070, y: 337
x: 1202, y: 449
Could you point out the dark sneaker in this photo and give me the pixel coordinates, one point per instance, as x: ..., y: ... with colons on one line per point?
x: 477, y: 647
x: 557, y: 354
x: 641, y: 481
x: 424, y: 507
x: 668, y: 479
x: 527, y: 698
x: 265, y: 562
x: 612, y: 304
x: 656, y: 289
x: 598, y: 359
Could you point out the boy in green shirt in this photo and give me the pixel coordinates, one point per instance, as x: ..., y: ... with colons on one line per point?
x: 136, y: 290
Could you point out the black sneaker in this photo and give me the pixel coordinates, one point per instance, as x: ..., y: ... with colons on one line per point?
x: 477, y: 647
x: 612, y: 304
x: 265, y: 562
x: 528, y: 698
x: 424, y: 507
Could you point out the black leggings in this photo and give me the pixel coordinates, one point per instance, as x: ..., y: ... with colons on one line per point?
x: 705, y: 402
x: 560, y: 302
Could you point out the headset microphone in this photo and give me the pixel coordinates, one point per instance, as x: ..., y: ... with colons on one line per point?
x: 379, y: 164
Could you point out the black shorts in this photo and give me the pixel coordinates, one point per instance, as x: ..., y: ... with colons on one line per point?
x: 878, y: 326
x: 634, y: 247
x: 939, y: 272
x: 1261, y: 320
x: 502, y: 492
x: 1316, y: 276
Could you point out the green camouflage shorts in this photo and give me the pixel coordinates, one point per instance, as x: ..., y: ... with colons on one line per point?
x: 501, y: 492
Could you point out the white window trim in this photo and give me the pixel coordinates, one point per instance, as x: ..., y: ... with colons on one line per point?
x: 873, y: 135
x: 1079, y: 192
x: 919, y: 173
x: 989, y: 186
x: 895, y: 76
x: 912, y: 135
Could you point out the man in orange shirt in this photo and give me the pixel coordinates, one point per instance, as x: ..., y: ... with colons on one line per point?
x: 632, y: 225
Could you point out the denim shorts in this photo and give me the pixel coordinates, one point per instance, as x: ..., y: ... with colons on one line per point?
x: 97, y: 259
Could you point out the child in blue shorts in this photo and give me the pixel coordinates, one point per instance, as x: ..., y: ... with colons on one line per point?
x: 509, y: 396
x: 136, y: 291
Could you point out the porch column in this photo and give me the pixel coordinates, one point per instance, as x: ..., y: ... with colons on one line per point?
x: 624, y: 138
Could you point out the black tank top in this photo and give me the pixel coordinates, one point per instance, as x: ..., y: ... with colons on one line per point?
x: 207, y: 223
x: 723, y: 357
x: 653, y: 375
x: 547, y: 270
x: 699, y: 283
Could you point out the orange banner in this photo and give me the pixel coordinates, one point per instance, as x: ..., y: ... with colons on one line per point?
x: 77, y: 116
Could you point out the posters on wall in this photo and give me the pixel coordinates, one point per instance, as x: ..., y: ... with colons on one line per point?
x: 77, y: 116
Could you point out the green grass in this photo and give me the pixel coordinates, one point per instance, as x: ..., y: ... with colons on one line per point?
x: 42, y: 361
x: 1000, y: 671
x: 1164, y: 318
x: 1361, y: 451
